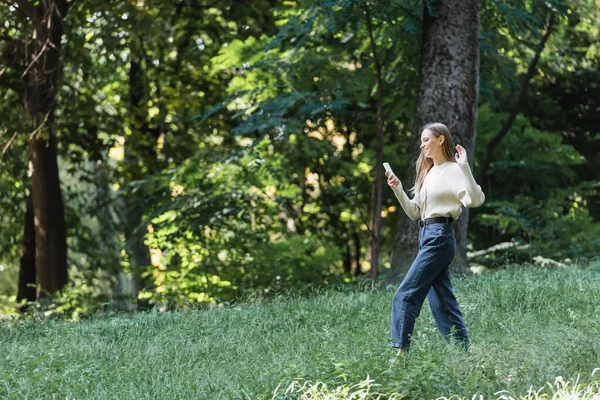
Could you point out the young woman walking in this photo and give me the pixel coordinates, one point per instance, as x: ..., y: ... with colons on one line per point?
x: 443, y: 184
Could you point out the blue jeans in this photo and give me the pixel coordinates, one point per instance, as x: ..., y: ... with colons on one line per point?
x: 429, y: 276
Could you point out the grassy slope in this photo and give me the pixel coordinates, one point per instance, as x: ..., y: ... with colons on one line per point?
x: 527, y: 327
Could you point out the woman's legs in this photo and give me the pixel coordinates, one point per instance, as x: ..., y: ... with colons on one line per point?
x: 446, y: 311
x: 408, y: 300
x: 435, y: 246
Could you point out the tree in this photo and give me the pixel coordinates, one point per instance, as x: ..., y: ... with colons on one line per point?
x: 377, y: 196
x: 519, y: 103
x: 448, y: 91
x: 40, y: 45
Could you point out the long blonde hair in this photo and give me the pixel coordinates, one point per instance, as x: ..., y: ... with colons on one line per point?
x: 424, y: 164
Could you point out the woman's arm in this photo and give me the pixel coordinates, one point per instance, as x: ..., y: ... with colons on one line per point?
x: 471, y: 195
x: 412, y: 208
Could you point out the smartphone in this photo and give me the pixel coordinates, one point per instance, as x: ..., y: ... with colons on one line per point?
x: 387, y: 167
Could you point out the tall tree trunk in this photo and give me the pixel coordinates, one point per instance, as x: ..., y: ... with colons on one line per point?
x: 353, y: 236
x: 448, y: 90
x: 377, y: 199
x: 357, y: 253
x: 140, y: 160
x: 49, y: 217
x: 347, y: 259
x: 27, y: 290
x: 40, y: 95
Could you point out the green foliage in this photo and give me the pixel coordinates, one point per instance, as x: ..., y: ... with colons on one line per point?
x: 235, y: 239
x: 237, y: 142
x: 312, y: 92
x: 511, y: 32
x: 13, y: 166
x: 535, y: 198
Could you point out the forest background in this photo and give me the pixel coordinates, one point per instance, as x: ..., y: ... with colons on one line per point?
x: 167, y: 153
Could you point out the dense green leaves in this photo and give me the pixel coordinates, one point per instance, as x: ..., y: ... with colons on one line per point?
x: 210, y: 150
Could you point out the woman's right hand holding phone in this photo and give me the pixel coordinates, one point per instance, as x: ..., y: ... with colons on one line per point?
x: 393, y: 180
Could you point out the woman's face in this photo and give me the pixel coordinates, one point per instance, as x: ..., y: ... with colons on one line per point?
x: 430, y: 144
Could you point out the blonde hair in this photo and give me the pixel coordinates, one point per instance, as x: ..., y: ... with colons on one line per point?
x: 424, y: 164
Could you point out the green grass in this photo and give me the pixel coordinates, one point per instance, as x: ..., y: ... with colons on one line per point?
x: 528, y: 326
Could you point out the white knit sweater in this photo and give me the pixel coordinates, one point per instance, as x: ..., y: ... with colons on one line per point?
x: 446, y: 188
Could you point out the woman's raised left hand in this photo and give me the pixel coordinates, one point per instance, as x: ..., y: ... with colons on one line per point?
x: 461, y: 155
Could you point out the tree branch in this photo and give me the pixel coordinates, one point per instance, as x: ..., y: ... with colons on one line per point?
x: 518, y: 104
x: 9, y: 143
x: 43, y: 49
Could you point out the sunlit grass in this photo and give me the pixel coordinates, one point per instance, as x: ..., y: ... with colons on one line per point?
x: 528, y: 327
x: 367, y: 390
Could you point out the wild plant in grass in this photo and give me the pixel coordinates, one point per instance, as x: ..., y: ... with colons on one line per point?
x: 563, y: 390
x: 306, y: 390
x: 367, y: 390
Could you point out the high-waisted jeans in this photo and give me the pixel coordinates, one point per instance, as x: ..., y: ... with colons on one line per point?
x: 429, y: 276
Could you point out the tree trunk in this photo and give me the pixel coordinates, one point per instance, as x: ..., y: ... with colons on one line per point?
x: 377, y: 199
x: 357, y: 253
x: 140, y: 161
x: 448, y: 89
x: 49, y: 217
x: 347, y: 259
x: 40, y: 95
x: 27, y: 290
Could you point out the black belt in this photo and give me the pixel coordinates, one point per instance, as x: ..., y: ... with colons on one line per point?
x: 435, y: 220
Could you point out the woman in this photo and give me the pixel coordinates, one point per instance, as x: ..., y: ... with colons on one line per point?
x: 443, y: 184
